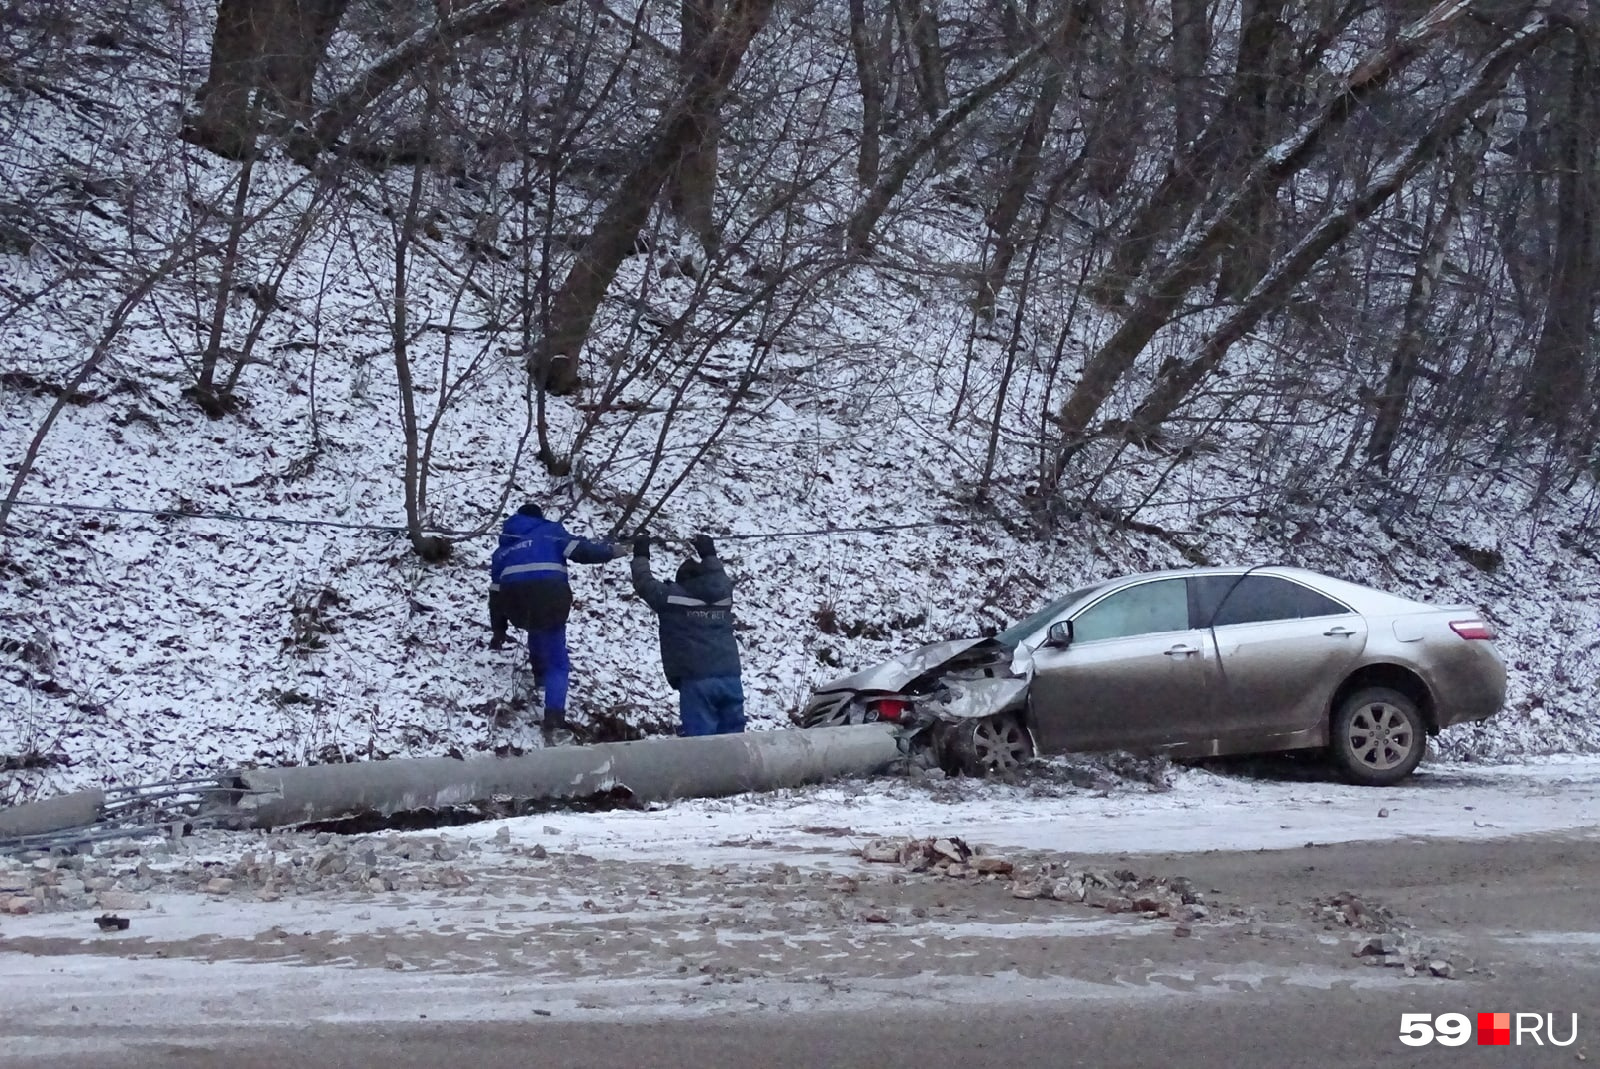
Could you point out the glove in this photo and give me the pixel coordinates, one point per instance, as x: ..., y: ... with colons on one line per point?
x: 619, y: 550
x: 641, y: 544
x: 704, y: 546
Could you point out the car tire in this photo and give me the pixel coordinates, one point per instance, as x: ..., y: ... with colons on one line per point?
x: 1377, y: 736
x: 991, y: 746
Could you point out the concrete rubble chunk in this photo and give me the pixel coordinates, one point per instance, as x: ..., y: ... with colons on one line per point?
x: 997, y: 865
x: 1442, y: 969
x: 883, y: 850
x: 1067, y: 889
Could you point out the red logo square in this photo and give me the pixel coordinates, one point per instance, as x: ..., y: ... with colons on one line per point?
x: 1494, y: 1029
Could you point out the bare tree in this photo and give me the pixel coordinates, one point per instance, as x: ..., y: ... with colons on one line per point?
x: 865, y: 219
x: 1191, y: 48
x: 264, y: 60
x: 1390, y: 401
x: 1024, y: 169
x: 693, y: 185
x: 1557, y: 378
x: 870, y: 74
x: 616, y: 231
x: 1188, y: 262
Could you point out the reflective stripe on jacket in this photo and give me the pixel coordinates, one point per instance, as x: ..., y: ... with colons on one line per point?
x: 695, y: 619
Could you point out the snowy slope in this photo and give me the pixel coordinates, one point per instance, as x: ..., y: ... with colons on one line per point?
x: 135, y: 646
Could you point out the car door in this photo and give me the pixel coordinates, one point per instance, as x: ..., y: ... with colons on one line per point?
x: 1282, y: 650
x: 1136, y: 674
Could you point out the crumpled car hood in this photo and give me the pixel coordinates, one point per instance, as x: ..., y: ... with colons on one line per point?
x: 894, y: 674
x: 972, y: 699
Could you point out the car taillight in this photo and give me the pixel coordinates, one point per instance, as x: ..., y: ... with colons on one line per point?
x: 891, y: 709
x: 1472, y: 629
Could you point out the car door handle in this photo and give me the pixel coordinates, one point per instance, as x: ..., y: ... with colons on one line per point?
x: 1339, y: 632
x: 1181, y: 651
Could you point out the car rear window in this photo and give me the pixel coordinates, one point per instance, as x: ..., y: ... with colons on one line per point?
x: 1254, y: 599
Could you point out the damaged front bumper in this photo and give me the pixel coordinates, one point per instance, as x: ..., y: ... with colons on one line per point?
x: 946, y: 683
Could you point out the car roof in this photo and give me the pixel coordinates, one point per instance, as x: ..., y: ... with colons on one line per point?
x: 1364, y: 599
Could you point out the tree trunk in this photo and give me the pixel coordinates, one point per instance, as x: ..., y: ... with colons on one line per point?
x: 1188, y: 262
x: 1024, y: 171
x: 1260, y: 77
x: 865, y: 220
x: 871, y: 79
x: 573, y: 307
x: 1193, y: 168
x: 1177, y: 380
x: 919, y: 22
x: 1556, y: 377
x: 1409, y: 347
x: 264, y: 60
x: 693, y: 186
x: 1191, y: 47
x: 333, y: 118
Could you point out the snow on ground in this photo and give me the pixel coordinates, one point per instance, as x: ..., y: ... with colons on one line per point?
x: 1202, y: 811
x: 134, y: 647
x: 748, y: 904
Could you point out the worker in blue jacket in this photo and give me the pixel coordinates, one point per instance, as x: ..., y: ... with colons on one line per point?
x: 528, y: 588
x: 699, y: 652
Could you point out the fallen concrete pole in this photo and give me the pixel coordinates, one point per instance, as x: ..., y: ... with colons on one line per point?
x: 61, y: 813
x: 649, y: 769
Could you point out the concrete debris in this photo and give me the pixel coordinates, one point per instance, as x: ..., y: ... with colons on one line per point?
x: 1351, y: 911
x: 1121, y: 891
x: 1397, y: 951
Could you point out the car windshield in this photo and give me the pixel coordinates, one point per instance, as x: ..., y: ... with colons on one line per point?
x: 1019, y: 632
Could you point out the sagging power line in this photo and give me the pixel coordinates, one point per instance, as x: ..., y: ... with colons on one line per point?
x: 390, y: 529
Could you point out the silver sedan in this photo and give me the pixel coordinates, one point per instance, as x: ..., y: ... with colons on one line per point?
x: 1190, y: 663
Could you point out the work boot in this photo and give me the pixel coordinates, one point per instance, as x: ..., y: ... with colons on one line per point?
x: 497, y: 641
x: 554, y: 729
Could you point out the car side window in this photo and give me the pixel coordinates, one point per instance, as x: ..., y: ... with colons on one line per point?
x: 1162, y: 605
x: 1262, y: 598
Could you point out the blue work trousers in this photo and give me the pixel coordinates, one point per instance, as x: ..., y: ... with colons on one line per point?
x: 547, y: 653
x: 712, y: 706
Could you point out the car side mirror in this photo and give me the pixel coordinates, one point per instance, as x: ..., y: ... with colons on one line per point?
x: 1060, y: 634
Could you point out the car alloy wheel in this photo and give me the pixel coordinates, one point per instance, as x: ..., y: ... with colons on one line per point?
x: 1378, y: 736
x: 994, y: 745
x: 1381, y: 736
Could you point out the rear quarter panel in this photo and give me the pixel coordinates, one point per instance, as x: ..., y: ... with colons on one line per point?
x: 1466, y: 677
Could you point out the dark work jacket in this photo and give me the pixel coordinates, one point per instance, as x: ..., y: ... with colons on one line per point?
x: 528, y: 573
x: 695, y: 619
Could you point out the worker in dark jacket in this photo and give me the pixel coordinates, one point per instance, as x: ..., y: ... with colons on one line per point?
x: 698, y: 650
x: 528, y: 587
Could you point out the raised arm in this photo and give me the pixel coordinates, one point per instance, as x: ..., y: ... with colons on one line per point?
x: 584, y: 551
x: 646, y: 585
x: 714, y: 582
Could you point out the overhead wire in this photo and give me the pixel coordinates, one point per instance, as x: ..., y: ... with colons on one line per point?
x: 390, y: 529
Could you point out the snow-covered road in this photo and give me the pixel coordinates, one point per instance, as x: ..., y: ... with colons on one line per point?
x: 1201, y: 811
